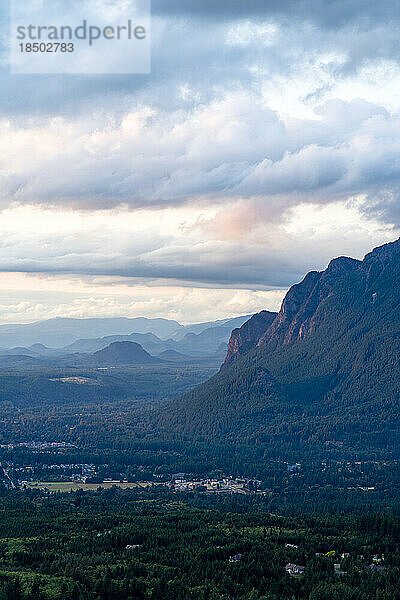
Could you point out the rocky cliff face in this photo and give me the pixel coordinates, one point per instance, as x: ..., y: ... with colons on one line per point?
x: 247, y: 336
x: 302, y: 306
x: 298, y: 315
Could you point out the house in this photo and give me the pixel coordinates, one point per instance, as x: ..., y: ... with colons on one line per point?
x: 294, y: 468
x: 178, y: 477
x: 377, y: 559
x: 132, y: 546
x: 291, y: 546
x: 235, y: 558
x: 293, y: 570
x: 338, y: 570
x: 376, y: 568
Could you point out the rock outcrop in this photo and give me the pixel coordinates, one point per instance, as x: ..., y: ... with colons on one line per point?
x: 246, y: 337
x: 298, y: 313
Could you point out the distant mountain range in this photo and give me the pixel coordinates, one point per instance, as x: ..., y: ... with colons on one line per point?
x: 114, y: 355
x: 57, y: 333
x: 200, y: 340
x: 324, y: 370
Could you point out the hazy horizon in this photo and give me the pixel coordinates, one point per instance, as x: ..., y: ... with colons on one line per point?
x: 116, y: 318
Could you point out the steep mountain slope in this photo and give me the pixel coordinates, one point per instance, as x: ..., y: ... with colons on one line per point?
x: 247, y: 336
x: 123, y: 353
x: 325, y: 370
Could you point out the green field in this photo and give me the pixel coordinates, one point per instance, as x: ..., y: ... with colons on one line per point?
x: 71, y: 486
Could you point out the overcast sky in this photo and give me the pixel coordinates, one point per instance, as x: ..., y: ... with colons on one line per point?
x: 265, y: 141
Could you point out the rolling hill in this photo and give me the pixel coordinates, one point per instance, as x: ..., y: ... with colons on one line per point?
x: 123, y: 353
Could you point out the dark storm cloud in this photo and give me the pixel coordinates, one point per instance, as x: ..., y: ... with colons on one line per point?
x: 329, y: 14
x: 186, y: 50
x: 232, y: 265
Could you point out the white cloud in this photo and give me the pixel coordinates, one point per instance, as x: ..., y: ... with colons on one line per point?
x: 77, y: 299
x: 257, y: 149
x: 161, y: 159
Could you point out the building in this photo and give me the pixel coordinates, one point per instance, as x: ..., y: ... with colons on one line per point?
x: 338, y: 570
x: 235, y: 558
x: 294, y: 468
x: 374, y: 567
x: 293, y: 570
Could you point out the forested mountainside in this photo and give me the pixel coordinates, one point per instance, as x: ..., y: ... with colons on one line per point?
x: 326, y: 370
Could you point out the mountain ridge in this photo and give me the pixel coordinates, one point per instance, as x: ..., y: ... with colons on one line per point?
x: 81, y: 335
x: 326, y: 368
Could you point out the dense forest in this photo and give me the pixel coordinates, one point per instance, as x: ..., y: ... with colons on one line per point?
x: 137, y: 545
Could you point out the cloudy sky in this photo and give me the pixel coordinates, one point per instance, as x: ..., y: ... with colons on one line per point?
x: 265, y: 141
